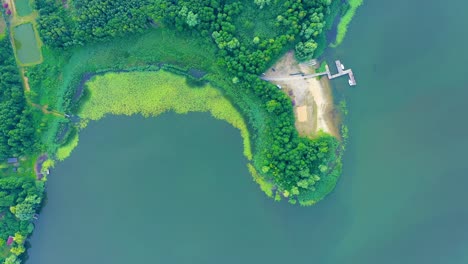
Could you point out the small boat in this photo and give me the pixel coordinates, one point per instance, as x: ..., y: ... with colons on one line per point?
x: 350, y: 82
x: 342, y: 66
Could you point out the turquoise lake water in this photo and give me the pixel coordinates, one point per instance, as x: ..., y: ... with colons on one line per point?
x: 175, y: 189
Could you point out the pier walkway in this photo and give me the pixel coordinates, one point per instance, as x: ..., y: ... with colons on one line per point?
x: 339, y: 66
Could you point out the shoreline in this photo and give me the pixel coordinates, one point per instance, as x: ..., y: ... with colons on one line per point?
x: 333, y: 116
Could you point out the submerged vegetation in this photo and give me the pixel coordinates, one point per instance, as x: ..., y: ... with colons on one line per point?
x: 147, y: 57
x: 345, y: 20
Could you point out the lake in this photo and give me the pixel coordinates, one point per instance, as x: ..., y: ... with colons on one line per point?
x: 175, y: 189
x: 26, y: 45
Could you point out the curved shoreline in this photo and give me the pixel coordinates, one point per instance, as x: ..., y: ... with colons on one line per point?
x: 151, y: 105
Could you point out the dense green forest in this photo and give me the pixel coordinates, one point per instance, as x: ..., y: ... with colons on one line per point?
x: 233, y: 41
x: 17, y: 135
x: 20, y: 195
x: 91, y: 20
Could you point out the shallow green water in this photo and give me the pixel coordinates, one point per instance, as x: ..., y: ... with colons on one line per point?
x: 175, y: 189
x: 23, y: 7
x: 26, y: 44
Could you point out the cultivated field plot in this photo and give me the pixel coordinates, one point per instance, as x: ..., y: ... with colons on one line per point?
x: 27, y: 49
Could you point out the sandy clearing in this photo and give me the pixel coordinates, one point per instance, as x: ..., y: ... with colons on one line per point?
x: 314, y: 109
x: 301, y: 112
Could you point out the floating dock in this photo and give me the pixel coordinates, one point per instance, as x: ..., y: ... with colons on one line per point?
x: 341, y: 72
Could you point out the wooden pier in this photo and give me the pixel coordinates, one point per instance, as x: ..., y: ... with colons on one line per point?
x: 339, y: 66
x: 341, y: 72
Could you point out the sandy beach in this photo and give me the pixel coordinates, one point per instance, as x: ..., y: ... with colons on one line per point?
x: 313, y: 101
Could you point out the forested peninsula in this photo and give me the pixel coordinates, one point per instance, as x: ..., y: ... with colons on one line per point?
x: 100, y: 57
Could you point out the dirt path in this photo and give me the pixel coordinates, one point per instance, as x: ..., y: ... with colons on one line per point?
x: 25, y: 80
x: 43, y: 108
x: 314, y: 109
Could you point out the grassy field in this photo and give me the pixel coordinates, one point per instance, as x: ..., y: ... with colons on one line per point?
x: 25, y: 167
x: 62, y: 71
x: 153, y: 93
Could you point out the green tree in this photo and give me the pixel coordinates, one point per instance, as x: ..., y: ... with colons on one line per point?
x: 256, y: 40
x: 17, y: 250
x: 192, y: 19
x: 25, y: 211
x: 305, y: 50
x: 19, y: 238
x: 262, y: 3
x: 12, y: 259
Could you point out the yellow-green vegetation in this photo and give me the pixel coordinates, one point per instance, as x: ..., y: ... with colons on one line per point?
x: 46, y: 165
x: 345, y: 20
x: 265, y: 186
x: 153, y: 93
x: 64, y: 151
